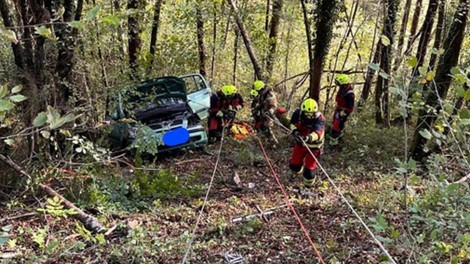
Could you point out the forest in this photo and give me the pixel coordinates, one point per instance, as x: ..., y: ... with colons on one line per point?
x: 395, y: 189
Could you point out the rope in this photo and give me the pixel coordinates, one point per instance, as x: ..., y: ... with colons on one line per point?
x: 343, y: 197
x: 188, y: 249
x: 289, y: 204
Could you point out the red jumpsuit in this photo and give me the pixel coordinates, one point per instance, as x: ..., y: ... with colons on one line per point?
x: 306, y: 127
x: 344, y: 107
x: 227, y: 105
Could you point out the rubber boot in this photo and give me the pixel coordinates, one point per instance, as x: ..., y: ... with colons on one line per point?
x: 308, y: 183
x: 295, y: 174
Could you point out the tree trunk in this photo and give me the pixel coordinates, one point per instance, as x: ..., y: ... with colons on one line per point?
x: 37, y: 14
x: 33, y: 52
x: 26, y: 36
x: 404, y: 23
x: 442, y: 81
x: 370, y: 72
x: 200, y: 39
x: 120, y: 32
x: 66, y: 50
x: 414, y: 24
x: 324, y: 22
x: 15, y: 45
x: 227, y: 26
x: 246, y: 39
x: 439, y: 31
x: 154, y: 34
x: 425, y: 36
x: 134, y: 41
x: 273, y: 34
x: 215, y: 22
x: 286, y: 60
x: 266, y: 19
x: 309, y: 35
x: 235, y: 56
x: 382, y: 94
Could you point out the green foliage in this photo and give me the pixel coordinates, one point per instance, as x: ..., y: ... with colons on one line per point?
x: 87, y: 147
x: 8, y: 35
x: 438, y: 217
x: 379, y: 223
x: 88, y: 236
x: 439, y: 210
x: 146, y: 140
x: 77, y: 25
x: 161, y: 184
x: 8, y: 103
x: 4, y: 235
x: 53, y: 118
x: 55, y: 208
x: 111, y: 20
x: 412, y: 61
x: 93, y: 13
x: 39, y: 237
x: 254, y: 225
x: 385, y: 40
x: 45, y: 32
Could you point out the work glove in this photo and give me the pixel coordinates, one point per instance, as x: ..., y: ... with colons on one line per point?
x: 341, y: 114
x: 297, y: 136
x: 311, y: 138
x: 271, y: 112
x: 239, y: 107
x: 219, y: 114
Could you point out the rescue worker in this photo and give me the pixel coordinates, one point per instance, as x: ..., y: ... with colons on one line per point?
x: 223, y: 107
x: 263, y: 109
x: 344, y: 107
x: 308, y: 126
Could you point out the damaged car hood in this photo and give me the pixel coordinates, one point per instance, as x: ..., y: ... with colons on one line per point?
x: 156, y: 98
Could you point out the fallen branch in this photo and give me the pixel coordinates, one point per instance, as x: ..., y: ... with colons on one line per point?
x: 90, y: 222
x: 463, y: 179
x: 9, y: 255
x: 262, y: 214
x: 9, y: 218
x: 188, y: 161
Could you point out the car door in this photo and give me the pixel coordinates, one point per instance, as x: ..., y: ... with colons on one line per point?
x: 199, y: 93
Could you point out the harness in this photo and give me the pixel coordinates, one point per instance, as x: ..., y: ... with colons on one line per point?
x: 309, y: 126
x: 348, y: 90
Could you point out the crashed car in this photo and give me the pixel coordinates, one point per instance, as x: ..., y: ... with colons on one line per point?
x: 170, y: 108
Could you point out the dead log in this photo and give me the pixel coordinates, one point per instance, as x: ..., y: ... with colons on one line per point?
x: 90, y: 222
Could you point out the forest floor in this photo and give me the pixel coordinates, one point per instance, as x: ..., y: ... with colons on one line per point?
x: 157, y: 222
